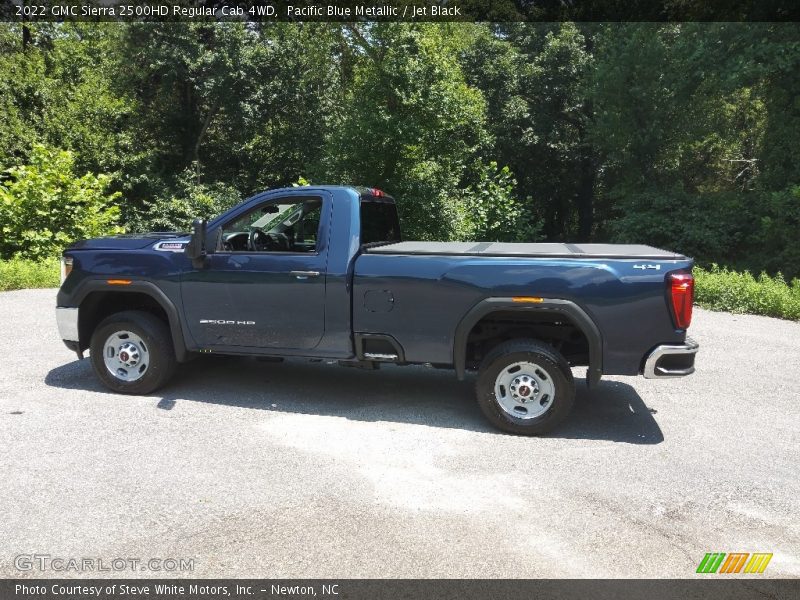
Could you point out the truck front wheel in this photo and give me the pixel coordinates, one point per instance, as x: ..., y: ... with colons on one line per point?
x: 132, y: 352
x: 525, y: 387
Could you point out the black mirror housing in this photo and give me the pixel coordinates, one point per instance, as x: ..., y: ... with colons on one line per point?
x: 196, y: 248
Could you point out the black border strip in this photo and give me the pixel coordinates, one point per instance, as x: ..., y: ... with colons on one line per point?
x: 711, y: 586
x: 405, y: 10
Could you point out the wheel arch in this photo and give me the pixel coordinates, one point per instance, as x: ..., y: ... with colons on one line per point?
x: 575, y: 313
x: 97, y: 299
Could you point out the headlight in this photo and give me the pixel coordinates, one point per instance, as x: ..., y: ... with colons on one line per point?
x: 66, y: 267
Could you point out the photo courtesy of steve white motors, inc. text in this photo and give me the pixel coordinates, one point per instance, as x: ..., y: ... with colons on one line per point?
x: 71, y: 590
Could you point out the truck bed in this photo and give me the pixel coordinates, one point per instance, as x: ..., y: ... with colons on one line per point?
x: 532, y: 250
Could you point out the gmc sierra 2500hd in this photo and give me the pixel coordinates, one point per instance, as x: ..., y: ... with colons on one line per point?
x: 321, y: 272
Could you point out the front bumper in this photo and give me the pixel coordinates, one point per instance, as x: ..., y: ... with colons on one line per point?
x: 670, y: 360
x: 67, y: 320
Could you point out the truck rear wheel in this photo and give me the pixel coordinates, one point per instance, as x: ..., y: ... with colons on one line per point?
x: 525, y: 387
x: 132, y: 352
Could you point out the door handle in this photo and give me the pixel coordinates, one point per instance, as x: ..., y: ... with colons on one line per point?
x: 304, y: 274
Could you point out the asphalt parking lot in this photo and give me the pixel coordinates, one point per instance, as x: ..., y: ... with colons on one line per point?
x: 298, y: 469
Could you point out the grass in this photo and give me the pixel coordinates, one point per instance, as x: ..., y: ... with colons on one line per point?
x: 18, y: 273
x: 731, y: 291
x: 715, y: 288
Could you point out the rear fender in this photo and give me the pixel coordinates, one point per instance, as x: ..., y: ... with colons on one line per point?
x: 579, y: 317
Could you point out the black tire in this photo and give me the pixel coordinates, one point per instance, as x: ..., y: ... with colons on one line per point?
x: 552, y: 363
x: 156, y: 336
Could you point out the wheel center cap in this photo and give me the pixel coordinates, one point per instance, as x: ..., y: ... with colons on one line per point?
x: 128, y: 354
x: 524, y: 391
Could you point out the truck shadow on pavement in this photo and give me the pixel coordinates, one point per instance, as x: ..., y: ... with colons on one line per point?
x: 613, y: 411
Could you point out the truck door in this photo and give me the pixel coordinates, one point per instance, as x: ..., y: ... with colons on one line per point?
x: 264, y: 285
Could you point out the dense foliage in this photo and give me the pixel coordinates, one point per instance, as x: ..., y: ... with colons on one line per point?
x: 721, y: 289
x: 44, y: 206
x: 681, y: 135
x: 21, y: 273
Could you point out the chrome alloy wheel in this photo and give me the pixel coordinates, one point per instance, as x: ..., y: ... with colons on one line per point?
x: 524, y: 390
x: 126, y: 355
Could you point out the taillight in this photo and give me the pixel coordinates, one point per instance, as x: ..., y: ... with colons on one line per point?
x: 681, y: 296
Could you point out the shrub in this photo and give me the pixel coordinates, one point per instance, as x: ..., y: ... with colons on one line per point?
x: 45, y: 207
x: 491, y: 212
x: 19, y: 273
x: 721, y: 289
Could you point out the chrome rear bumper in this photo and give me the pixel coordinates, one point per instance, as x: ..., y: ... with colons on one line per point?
x: 671, y: 360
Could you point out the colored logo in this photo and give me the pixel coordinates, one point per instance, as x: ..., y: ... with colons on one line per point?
x: 735, y: 562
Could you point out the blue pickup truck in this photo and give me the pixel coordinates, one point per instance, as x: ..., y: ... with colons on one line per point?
x: 322, y: 272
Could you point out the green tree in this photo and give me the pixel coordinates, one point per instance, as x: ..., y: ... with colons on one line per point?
x: 56, y: 90
x: 693, y: 124
x: 239, y: 105
x: 535, y: 76
x: 187, y: 83
x: 408, y: 122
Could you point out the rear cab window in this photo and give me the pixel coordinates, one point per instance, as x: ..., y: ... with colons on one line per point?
x: 379, y: 221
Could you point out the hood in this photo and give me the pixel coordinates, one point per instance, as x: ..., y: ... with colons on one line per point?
x: 128, y: 241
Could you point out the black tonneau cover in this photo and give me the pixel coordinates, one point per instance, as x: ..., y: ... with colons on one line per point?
x: 535, y: 250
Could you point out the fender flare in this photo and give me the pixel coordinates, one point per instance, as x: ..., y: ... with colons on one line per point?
x: 89, y: 286
x: 566, y: 307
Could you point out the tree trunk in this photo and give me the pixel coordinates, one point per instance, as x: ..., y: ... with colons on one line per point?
x: 203, y: 129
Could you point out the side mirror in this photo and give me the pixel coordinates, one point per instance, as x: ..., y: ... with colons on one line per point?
x: 196, y: 248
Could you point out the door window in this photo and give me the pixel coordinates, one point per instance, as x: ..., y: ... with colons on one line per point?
x: 285, y: 225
